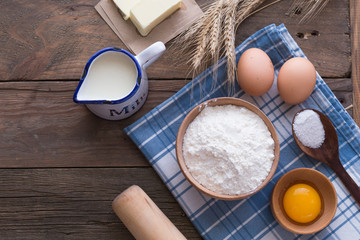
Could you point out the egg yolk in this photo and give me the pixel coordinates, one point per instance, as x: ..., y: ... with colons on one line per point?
x: 302, y: 203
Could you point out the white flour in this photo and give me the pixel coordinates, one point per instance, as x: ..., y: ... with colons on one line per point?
x: 228, y: 149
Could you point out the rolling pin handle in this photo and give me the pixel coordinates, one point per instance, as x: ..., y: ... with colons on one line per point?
x: 142, y: 217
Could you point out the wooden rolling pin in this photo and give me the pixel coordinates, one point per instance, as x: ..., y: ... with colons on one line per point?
x: 142, y: 217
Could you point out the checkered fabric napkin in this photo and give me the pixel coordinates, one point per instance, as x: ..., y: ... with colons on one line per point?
x: 251, y: 218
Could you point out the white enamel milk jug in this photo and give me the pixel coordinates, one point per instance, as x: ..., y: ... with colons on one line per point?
x: 114, y: 83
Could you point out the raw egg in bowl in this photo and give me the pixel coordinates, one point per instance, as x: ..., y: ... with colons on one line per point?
x: 304, y: 201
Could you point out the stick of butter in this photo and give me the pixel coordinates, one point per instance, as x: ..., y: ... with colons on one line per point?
x: 145, y: 15
x: 125, y: 6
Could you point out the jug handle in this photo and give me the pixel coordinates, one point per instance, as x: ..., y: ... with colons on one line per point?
x: 150, y: 54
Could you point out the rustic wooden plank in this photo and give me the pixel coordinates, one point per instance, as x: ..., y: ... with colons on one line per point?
x: 319, y: 39
x: 346, y: 99
x: 339, y: 84
x: 76, y: 203
x: 355, y: 56
x: 342, y: 88
x: 42, y: 127
x: 53, y: 39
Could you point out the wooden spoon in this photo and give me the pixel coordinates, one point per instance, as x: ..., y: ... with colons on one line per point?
x: 328, y: 153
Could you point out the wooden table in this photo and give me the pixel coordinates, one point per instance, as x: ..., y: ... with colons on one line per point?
x: 61, y: 166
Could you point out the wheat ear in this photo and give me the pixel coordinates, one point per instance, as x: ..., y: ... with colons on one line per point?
x: 215, y: 29
x: 208, y: 35
x: 229, y: 40
x: 213, y: 36
x: 314, y: 10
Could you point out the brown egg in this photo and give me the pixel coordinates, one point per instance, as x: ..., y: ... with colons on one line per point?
x: 255, y: 72
x: 296, y: 80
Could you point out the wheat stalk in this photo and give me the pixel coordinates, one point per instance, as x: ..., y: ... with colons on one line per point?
x: 206, y: 34
x: 307, y: 8
x: 215, y: 30
x: 213, y: 36
x: 215, y: 33
x: 247, y: 9
x: 229, y: 40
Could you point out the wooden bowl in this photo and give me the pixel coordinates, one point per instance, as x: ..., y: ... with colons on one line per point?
x: 320, y: 183
x: 192, y: 115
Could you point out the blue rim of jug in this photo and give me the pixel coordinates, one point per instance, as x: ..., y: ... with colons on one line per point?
x: 85, y: 72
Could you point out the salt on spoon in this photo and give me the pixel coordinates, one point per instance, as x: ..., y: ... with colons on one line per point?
x: 309, y: 129
x: 328, y: 152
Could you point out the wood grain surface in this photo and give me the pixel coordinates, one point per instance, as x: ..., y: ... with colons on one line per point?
x: 42, y: 127
x: 355, y: 56
x: 54, y: 39
x: 75, y: 203
x: 60, y: 165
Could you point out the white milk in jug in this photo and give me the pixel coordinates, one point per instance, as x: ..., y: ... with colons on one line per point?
x: 111, y: 76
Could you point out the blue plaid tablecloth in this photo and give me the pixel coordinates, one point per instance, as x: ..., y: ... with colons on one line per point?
x: 251, y: 218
